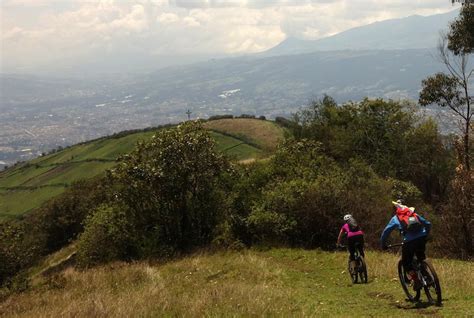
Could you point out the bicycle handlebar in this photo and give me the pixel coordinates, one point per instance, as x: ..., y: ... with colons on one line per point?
x: 395, y: 245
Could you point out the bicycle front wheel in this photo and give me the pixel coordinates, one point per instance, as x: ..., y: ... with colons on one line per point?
x: 412, y: 295
x: 431, y: 282
x: 362, y: 270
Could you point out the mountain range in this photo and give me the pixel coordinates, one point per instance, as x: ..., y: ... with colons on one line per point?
x: 413, y: 32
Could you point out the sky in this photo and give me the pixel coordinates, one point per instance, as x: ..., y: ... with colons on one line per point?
x: 39, y: 35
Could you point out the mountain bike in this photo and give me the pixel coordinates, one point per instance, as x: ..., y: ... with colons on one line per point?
x: 357, y: 268
x: 427, y: 276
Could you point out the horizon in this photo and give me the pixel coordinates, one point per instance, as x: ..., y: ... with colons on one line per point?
x: 64, y: 37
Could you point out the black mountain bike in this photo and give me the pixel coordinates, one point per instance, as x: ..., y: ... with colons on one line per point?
x: 357, y: 268
x: 427, y: 276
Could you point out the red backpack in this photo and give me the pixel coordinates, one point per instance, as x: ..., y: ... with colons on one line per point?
x: 409, y: 220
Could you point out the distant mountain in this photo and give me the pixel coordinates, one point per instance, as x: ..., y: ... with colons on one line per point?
x: 413, y: 32
x: 277, y: 84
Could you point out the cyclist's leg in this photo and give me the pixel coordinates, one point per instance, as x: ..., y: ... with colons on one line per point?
x: 361, y: 245
x: 408, y: 251
x: 351, y: 247
x: 420, y: 247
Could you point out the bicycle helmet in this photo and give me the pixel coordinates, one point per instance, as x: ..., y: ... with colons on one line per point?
x: 347, y: 217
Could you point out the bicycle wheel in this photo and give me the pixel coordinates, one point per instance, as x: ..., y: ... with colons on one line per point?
x: 352, y: 271
x: 432, y: 282
x: 405, y: 282
x: 362, y: 269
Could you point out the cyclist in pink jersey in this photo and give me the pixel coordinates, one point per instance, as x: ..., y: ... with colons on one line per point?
x: 355, y: 236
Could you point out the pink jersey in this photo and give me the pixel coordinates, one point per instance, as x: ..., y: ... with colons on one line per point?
x: 346, y: 229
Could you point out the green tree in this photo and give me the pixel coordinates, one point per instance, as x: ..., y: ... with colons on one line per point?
x: 388, y: 135
x: 461, y: 32
x: 170, y: 185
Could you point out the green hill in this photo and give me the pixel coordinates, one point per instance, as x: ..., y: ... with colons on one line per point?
x: 28, y: 185
x: 264, y: 134
x: 277, y: 282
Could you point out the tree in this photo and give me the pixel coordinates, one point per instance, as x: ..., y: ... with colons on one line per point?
x: 463, y: 1
x: 461, y: 33
x: 386, y: 134
x: 451, y: 90
x: 170, y: 186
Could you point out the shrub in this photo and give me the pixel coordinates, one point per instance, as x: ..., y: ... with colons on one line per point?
x: 170, y: 186
x: 284, y: 122
x: 109, y: 235
x: 217, y: 117
x: 307, y: 194
x: 246, y: 116
x: 456, y: 235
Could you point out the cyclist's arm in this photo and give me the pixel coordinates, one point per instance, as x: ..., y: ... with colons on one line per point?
x: 339, y: 238
x: 426, y: 223
x: 392, y: 225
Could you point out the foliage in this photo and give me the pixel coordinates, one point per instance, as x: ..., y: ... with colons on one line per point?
x: 405, y: 191
x: 23, y: 242
x: 170, y: 188
x: 307, y: 194
x: 461, y: 33
x: 385, y: 134
x: 458, y: 216
x: 217, y: 117
x: 108, y: 236
x: 18, y: 249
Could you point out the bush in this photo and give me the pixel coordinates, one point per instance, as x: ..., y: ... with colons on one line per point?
x: 217, y: 117
x: 456, y: 235
x: 109, y: 235
x: 307, y: 194
x: 170, y: 186
x: 54, y: 225
x: 246, y: 116
x: 284, y: 122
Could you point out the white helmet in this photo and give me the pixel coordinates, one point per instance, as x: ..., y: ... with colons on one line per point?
x: 347, y: 217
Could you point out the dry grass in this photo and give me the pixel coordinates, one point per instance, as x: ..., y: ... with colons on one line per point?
x: 279, y: 282
x: 264, y: 133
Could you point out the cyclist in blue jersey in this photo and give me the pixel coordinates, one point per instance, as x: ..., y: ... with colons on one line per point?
x: 414, y: 229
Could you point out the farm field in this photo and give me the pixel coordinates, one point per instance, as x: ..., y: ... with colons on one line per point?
x: 28, y: 185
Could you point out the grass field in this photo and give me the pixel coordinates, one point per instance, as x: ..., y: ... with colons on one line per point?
x: 28, y: 185
x: 264, y: 134
x: 276, y: 282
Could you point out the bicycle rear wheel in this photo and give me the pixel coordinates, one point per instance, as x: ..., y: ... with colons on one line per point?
x: 432, y: 282
x: 362, y: 269
x: 352, y: 271
x: 405, y: 282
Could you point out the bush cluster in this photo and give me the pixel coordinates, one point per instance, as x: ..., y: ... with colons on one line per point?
x: 176, y: 192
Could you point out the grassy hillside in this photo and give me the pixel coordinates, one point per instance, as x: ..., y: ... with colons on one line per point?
x: 278, y: 282
x: 264, y: 134
x: 28, y: 185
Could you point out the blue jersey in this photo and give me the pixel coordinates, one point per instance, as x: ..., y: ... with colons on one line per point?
x: 407, y: 236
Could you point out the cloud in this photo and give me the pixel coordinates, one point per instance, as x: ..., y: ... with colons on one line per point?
x: 47, y: 32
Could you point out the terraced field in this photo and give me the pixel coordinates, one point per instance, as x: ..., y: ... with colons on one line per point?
x: 28, y: 185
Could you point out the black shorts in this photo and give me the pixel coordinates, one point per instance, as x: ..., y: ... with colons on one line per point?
x: 416, y: 247
x: 356, y: 242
